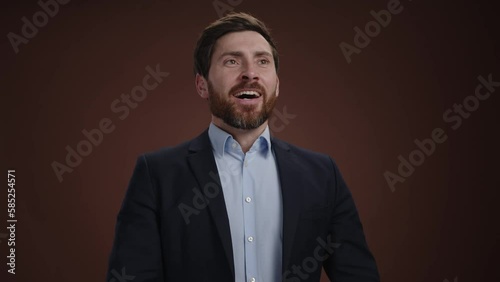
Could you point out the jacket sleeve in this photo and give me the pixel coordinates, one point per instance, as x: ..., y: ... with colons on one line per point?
x: 136, y: 253
x: 351, y: 259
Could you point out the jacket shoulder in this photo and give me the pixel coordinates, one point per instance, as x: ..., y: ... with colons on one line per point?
x: 176, y: 155
x: 168, y: 153
x: 306, y: 156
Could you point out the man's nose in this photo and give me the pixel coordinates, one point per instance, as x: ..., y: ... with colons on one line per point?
x: 250, y: 73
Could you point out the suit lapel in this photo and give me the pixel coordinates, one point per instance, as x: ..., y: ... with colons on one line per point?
x: 291, y: 189
x: 202, y: 162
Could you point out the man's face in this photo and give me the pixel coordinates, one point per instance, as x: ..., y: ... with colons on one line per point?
x: 242, y: 83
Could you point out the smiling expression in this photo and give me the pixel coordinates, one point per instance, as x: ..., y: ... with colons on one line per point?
x: 242, y: 83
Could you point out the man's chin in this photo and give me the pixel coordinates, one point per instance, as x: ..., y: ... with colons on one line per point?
x: 246, y: 123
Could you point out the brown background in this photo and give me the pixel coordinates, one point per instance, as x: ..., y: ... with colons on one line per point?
x: 441, y: 223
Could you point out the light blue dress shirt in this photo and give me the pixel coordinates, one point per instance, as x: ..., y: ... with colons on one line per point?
x: 252, y: 194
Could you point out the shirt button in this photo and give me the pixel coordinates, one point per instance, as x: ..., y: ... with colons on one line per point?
x: 250, y: 239
x: 234, y: 145
x: 248, y: 199
x: 246, y: 163
x: 252, y: 280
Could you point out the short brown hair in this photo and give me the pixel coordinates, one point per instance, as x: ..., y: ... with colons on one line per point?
x: 233, y: 22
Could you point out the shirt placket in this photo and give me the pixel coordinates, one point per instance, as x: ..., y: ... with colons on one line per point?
x: 249, y: 221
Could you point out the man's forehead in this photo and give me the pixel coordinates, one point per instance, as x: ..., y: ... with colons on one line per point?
x: 242, y: 41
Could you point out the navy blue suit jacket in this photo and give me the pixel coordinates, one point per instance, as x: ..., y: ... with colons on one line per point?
x: 173, y: 224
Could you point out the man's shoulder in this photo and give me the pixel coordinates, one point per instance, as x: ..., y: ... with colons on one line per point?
x: 173, y: 154
x: 309, y: 163
x: 170, y: 152
x: 303, y: 154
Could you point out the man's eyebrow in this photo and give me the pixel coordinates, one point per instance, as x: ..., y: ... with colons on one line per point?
x: 240, y: 54
x: 263, y: 53
x: 231, y: 53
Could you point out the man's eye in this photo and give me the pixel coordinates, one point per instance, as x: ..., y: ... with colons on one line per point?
x: 264, y: 61
x: 231, y: 62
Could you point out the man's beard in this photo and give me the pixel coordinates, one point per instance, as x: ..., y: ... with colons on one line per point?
x: 241, y: 116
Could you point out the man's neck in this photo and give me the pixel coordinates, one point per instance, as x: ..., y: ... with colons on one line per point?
x: 245, y: 137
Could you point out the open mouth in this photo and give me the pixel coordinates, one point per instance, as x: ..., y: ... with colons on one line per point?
x: 247, y: 95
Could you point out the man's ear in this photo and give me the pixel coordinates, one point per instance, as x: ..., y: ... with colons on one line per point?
x: 201, y: 86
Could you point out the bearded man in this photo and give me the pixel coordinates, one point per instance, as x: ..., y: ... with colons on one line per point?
x: 235, y: 203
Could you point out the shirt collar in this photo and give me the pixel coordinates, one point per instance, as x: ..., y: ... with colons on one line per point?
x: 221, y: 141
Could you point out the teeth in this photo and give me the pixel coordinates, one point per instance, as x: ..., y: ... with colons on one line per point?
x: 253, y: 93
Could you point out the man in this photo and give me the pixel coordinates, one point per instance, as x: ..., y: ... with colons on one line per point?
x: 235, y: 203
